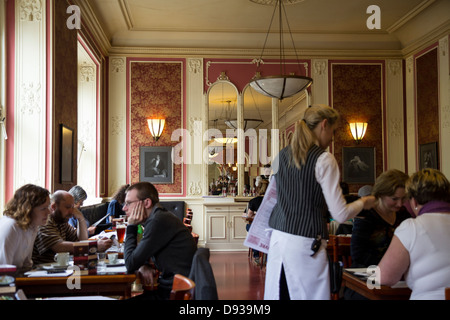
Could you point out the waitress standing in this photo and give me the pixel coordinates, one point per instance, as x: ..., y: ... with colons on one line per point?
x: 307, y: 180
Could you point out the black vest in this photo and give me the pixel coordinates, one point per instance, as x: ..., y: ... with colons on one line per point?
x: 301, y: 208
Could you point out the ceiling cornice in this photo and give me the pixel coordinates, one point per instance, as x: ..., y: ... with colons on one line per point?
x: 410, y: 15
x: 251, y: 53
x: 426, y: 40
x: 90, y: 20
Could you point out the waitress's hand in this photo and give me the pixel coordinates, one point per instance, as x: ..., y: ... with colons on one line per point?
x: 138, y: 214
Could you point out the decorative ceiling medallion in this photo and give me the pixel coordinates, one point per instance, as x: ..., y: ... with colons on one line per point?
x: 273, y: 2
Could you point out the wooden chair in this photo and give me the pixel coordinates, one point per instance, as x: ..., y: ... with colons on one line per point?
x: 339, y: 251
x: 182, y: 288
x: 447, y: 293
x: 339, y: 247
x: 187, y: 220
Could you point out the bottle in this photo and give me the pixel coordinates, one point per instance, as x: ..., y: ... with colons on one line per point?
x: 140, y: 233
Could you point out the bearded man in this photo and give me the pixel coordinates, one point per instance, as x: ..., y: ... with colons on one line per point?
x: 58, y: 235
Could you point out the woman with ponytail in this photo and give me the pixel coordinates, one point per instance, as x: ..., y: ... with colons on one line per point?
x: 308, y: 187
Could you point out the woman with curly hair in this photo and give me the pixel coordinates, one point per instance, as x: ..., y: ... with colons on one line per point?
x: 24, y: 213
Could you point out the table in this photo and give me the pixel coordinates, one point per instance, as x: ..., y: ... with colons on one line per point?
x: 384, y: 293
x: 106, y: 285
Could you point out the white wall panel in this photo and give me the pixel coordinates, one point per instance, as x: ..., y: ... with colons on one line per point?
x: 394, y: 115
x: 30, y: 94
x: 117, y: 117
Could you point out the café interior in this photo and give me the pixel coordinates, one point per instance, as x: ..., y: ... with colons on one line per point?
x: 92, y: 90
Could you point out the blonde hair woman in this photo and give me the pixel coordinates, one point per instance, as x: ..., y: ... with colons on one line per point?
x: 24, y: 213
x: 307, y: 182
x: 419, y: 249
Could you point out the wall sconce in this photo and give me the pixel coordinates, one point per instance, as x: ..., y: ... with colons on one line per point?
x: 358, y: 130
x: 156, y: 127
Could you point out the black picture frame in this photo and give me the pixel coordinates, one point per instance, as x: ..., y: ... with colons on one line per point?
x: 160, y: 173
x: 428, y: 156
x: 66, y: 154
x: 358, y: 165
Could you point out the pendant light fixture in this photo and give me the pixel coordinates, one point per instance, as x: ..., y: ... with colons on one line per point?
x: 283, y: 85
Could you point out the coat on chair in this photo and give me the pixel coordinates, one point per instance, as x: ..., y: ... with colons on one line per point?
x: 203, y: 276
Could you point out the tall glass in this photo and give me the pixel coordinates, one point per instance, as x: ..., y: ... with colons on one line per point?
x: 120, y: 228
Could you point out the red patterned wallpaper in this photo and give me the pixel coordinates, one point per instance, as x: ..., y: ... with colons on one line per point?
x: 427, y: 97
x: 156, y: 90
x: 357, y: 93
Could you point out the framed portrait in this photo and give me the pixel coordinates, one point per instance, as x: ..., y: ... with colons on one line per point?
x: 428, y: 155
x: 358, y: 164
x: 66, y: 154
x: 156, y: 165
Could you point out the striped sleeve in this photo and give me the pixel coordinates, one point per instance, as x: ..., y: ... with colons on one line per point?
x: 50, y: 234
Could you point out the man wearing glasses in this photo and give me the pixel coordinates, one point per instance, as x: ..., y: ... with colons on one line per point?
x: 58, y: 235
x: 166, y: 246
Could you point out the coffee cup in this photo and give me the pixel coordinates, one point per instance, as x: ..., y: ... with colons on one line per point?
x: 62, y: 258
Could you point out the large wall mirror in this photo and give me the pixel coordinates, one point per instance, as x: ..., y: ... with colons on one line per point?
x: 222, y: 139
x: 257, y: 115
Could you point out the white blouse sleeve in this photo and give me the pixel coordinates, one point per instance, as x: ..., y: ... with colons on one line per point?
x: 328, y: 176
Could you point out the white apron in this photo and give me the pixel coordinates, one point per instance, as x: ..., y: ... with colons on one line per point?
x: 307, y: 277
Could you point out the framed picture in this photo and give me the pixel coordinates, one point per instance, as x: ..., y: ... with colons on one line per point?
x: 358, y: 164
x: 428, y: 155
x: 66, y: 155
x: 155, y: 165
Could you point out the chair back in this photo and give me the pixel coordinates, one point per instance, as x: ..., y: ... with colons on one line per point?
x: 340, y: 246
x: 338, y: 251
x: 182, y: 288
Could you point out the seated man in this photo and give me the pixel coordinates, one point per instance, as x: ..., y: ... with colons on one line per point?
x: 57, y: 235
x: 166, y: 241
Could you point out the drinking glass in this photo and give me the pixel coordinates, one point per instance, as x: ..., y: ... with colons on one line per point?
x: 101, y: 262
x: 120, y: 228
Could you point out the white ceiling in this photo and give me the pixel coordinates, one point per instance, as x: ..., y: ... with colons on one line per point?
x: 316, y: 24
x: 239, y: 27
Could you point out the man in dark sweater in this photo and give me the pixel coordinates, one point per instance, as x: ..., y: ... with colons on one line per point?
x: 166, y: 241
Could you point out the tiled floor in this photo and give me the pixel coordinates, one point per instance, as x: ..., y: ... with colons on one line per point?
x: 237, y: 278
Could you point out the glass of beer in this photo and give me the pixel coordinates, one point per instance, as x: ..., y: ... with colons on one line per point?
x: 120, y: 228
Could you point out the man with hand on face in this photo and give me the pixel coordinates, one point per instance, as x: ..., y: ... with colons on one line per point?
x: 57, y: 235
x: 166, y: 241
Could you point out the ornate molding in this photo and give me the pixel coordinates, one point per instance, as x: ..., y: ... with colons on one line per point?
x: 117, y: 125
x: 394, y: 67
x: 195, y: 126
x: 446, y: 117
x: 320, y: 67
x: 30, y: 10
x: 195, y: 65
x: 396, y: 127
x: 443, y: 46
x: 195, y: 188
x: 410, y: 64
x: 30, y: 98
x: 87, y: 72
x: 117, y: 65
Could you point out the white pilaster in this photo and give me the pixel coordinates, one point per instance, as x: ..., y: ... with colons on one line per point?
x: 30, y: 93
x: 411, y: 132
x: 394, y: 115
x: 319, y: 87
x: 117, y: 117
x: 196, y: 180
x: 444, y: 105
